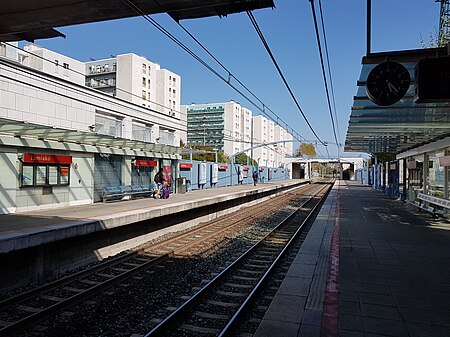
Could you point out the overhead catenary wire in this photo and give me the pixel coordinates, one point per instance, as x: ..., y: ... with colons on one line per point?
x: 272, y: 57
x: 83, y: 74
x: 262, y: 109
x: 323, y: 73
x: 329, y: 70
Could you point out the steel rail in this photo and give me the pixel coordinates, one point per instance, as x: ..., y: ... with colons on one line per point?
x: 72, y: 300
x: 234, y: 321
x: 180, y: 312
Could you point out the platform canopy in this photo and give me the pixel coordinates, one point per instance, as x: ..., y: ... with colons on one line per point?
x: 26, y: 132
x: 36, y: 19
x: 399, y: 127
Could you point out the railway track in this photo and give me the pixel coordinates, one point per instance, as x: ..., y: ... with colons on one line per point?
x: 18, y: 312
x: 217, y: 308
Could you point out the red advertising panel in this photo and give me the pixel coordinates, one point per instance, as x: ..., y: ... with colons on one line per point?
x: 223, y: 167
x: 185, y: 166
x: 261, y: 169
x: 246, y: 169
x: 444, y: 161
x: 167, y: 174
x: 145, y: 162
x: 40, y: 158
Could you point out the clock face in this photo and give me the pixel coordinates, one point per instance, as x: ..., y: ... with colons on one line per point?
x: 387, y: 83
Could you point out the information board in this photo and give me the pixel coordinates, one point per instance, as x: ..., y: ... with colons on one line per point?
x: 202, y: 173
x: 214, y: 173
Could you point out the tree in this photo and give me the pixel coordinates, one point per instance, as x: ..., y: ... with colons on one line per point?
x: 243, y: 159
x: 209, y: 154
x: 306, y: 149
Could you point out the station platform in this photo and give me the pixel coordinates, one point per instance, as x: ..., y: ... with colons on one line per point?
x: 370, y: 266
x: 31, y: 229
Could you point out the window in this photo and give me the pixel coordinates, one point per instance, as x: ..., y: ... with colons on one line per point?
x: 114, y: 67
x: 107, y: 125
x: 144, y: 69
x: 173, y: 92
x: 174, y: 81
x: 144, y: 94
x: 144, y: 82
x: 148, y: 82
x: 56, y: 66
x: 66, y: 65
x: 44, y: 175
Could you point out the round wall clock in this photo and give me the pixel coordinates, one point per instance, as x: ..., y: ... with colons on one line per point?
x: 387, y: 83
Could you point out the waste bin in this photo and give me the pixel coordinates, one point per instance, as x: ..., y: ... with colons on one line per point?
x: 181, y: 185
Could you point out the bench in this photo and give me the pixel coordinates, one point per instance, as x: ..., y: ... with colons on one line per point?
x: 432, y: 203
x: 119, y: 192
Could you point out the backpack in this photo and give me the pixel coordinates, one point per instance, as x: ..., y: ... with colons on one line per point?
x: 255, y: 175
x: 165, y: 193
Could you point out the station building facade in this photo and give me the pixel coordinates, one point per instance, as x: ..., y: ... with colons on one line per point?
x: 62, y: 142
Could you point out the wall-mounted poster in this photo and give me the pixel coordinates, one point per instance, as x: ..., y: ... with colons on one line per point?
x: 214, y: 173
x: 202, y: 173
x: 64, y: 175
x: 41, y: 175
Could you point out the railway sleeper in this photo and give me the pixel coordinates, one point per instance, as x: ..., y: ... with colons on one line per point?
x: 52, y: 298
x: 199, y: 329
x: 222, y: 304
x: 210, y: 315
x: 235, y: 285
x: 230, y: 293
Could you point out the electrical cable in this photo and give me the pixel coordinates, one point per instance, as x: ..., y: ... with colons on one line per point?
x: 266, y: 45
x: 195, y: 56
x: 329, y: 70
x: 83, y: 74
x: 169, y: 127
x: 323, y: 73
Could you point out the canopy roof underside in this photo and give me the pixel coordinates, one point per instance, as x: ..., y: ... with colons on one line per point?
x: 403, y: 125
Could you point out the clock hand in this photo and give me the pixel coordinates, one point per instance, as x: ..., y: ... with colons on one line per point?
x: 391, y: 87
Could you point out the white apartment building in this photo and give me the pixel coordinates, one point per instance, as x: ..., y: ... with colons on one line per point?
x: 223, y: 126
x: 168, y: 93
x: 52, y: 63
x: 228, y: 127
x: 137, y: 80
x: 62, y: 142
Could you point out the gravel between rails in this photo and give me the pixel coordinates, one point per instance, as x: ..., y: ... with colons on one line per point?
x: 137, y: 305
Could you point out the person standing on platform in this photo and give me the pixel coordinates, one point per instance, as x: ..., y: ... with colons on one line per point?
x: 255, y: 178
x: 159, y: 180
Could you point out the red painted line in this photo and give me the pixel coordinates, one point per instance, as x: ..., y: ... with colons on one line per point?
x: 331, y: 304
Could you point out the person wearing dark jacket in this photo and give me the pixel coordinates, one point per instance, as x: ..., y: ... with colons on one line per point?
x: 255, y: 177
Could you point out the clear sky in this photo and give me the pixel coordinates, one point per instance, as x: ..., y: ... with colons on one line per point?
x: 289, y: 30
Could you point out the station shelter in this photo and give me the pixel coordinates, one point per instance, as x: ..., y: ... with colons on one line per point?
x: 46, y: 167
x: 409, y: 140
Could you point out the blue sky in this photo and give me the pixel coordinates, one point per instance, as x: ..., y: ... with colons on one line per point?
x: 289, y: 30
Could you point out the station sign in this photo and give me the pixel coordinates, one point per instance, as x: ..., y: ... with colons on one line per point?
x: 223, y: 167
x: 145, y: 162
x: 432, y: 80
x: 185, y: 166
x: 41, y: 158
